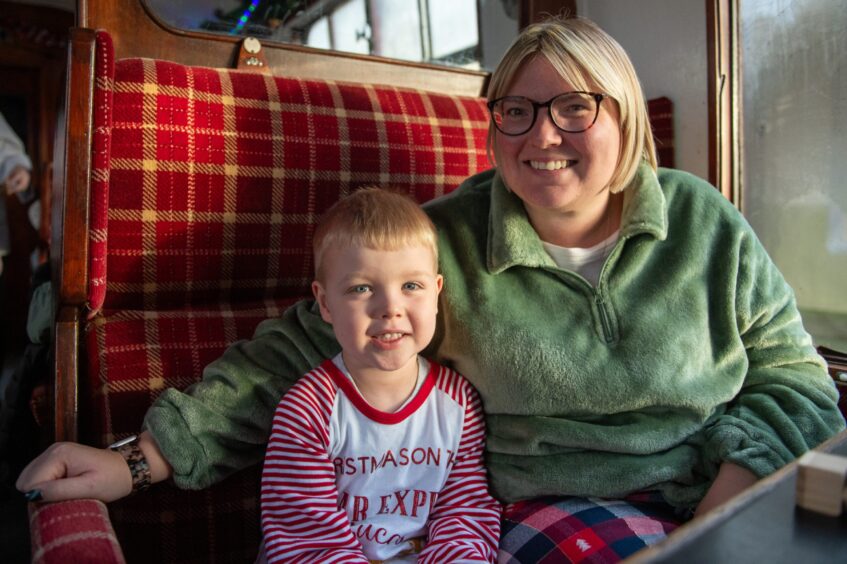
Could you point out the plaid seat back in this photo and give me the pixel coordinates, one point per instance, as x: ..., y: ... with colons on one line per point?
x: 205, y: 190
x: 215, y: 178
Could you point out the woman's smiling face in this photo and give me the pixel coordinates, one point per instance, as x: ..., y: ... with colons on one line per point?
x: 552, y: 171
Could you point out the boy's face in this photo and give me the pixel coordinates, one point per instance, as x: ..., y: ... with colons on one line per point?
x: 381, y: 304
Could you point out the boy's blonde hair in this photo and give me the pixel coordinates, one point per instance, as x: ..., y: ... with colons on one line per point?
x: 376, y: 219
x: 587, y: 57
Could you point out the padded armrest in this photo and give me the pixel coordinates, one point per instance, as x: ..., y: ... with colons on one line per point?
x: 73, y: 531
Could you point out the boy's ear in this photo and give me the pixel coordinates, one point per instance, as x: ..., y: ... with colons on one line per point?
x: 320, y: 297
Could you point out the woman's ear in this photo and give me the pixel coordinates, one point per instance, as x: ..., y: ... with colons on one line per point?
x: 320, y: 297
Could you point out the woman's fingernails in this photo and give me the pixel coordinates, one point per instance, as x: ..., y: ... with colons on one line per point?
x: 33, y: 495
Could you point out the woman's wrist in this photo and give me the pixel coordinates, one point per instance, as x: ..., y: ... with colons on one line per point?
x: 160, y: 469
x: 136, y: 462
x: 730, y: 481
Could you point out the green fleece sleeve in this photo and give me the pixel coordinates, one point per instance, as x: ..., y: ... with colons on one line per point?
x: 221, y: 424
x: 787, y: 403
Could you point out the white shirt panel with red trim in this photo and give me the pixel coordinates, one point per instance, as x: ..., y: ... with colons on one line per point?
x: 345, y: 482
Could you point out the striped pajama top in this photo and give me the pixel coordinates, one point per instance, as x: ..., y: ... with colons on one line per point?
x: 345, y: 482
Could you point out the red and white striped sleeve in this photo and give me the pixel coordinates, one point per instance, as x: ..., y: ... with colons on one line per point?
x: 465, y: 523
x: 301, y: 521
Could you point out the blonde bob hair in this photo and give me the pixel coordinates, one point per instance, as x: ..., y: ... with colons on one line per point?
x: 376, y: 219
x: 589, y: 59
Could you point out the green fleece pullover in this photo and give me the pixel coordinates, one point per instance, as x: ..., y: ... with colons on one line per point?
x: 689, y: 352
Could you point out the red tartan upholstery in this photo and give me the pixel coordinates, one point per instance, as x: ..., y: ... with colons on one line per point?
x: 104, y: 72
x: 216, y: 177
x: 133, y: 355
x: 661, y: 121
x: 205, y: 190
x: 73, y: 531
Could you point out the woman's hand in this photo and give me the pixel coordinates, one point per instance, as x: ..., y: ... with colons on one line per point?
x: 74, y: 471
x: 731, y: 481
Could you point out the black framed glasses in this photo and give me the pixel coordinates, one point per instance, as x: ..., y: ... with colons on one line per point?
x: 572, y: 112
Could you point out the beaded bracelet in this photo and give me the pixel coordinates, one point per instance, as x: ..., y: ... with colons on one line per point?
x: 137, y: 462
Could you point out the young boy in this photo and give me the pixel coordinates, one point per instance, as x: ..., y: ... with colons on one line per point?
x: 376, y: 455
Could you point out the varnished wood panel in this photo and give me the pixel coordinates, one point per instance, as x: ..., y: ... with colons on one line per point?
x: 70, y: 242
x: 724, y: 100
x: 70, y: 232
x: 138, y: 33
x: 66, y: 375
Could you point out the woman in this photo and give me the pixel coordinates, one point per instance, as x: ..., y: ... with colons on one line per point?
x: 627, y: 332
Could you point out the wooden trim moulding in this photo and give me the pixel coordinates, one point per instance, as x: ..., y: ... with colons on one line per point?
x: 66, y: 384
x: 70, y: 230
x: 724, y: 98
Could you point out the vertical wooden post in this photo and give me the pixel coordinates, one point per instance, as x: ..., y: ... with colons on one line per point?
x: 72, y: 179
x: 724, y: 98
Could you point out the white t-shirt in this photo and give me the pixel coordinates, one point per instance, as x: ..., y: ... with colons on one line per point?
x: 586, y: 262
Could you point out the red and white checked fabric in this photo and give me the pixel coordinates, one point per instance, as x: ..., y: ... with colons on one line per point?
x: 206, y: 187
x: 73, y: 531
x: 213, y: 179
x: 104, y: 77
x: 321, y: 502
x: 134, y: 355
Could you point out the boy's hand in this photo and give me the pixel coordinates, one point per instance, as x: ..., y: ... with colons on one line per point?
x: 74, y: 471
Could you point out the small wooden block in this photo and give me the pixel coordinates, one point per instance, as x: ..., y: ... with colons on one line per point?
x: 820, y: 482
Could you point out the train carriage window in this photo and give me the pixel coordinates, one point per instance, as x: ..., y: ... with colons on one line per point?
x: 318, y: 35
x: 349, y: 28
x: 435, y: 31
x: 453, y: 30
x: 396, y: 30
x: 795, y: 142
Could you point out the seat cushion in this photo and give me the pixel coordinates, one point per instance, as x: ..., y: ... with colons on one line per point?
x: 134, y: 355
x: 217, y: 524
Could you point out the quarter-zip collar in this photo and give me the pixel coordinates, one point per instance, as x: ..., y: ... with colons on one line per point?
x: 512, y: 241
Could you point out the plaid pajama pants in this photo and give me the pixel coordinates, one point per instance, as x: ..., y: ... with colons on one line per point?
x: 589, y: 530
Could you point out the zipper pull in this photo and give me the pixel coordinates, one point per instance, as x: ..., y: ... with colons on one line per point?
x: 604, y: 317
